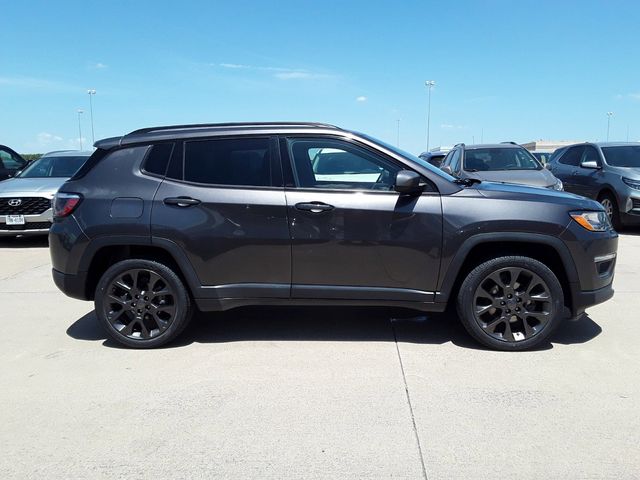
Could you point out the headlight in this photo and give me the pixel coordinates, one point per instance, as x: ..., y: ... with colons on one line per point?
x: 558, y: 185
x: 632, y: 183
x: 592, y: 221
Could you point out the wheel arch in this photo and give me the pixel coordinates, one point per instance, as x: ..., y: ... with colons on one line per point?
x: 108, y: 251
x: 549, y: 250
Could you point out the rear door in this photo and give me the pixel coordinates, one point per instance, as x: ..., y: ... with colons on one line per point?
x: 353, y: 236
x: 223, y: 204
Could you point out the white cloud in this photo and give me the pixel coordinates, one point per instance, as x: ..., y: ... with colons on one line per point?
x: 235, y: 66
x: 45, y: 138
x: 361, y: 98
x: 451, y: 126
x: 100, y: 66
x: 277, y: 72
x: 32, y: 83
x: 634, y: 96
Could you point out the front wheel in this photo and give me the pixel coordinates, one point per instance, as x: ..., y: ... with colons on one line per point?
x: 611, y: 207
x: 142, y: 303
x: 510, y: 303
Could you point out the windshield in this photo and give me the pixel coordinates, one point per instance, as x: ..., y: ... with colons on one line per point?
x: 409, y: 156
x: 627, y: 156
x: 62, y: 167
x: 494, y: 159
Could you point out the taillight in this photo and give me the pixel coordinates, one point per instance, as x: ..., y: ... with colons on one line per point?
x: 65, y: 203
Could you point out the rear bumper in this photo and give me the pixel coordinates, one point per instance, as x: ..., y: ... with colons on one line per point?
x: 73, y: 286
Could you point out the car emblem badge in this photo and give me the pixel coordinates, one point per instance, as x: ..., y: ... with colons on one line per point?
x: 15, y: 202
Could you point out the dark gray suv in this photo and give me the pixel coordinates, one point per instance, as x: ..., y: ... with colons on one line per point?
x: 606, y: 172
x: 164, y: 220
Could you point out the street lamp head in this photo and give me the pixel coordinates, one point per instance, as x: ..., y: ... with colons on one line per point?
x: 80, y: 111
x: 430, y: 83
x: 91, y: 92
x: 609, y: 114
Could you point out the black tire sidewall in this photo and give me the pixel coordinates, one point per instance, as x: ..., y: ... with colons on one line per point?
x: 478, y: 274
x: 183, y: 304
x: 615, y: 215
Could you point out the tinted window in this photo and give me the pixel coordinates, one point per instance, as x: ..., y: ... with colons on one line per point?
x: 333, y: 164
x: 454, y: 161
x: 58, y: 166
x: 624, y: 156
x: 158, y: 159
x: 572, y: 156
x: 590, y: 155
x: 245, y: 162
x: 494, y: 159
x: 9, y: 162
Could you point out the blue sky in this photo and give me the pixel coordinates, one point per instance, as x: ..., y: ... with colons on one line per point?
x: 504, y: 70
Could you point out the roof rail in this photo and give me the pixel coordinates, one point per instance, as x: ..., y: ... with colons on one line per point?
x: 511, y: 143
x: 459, y: 145
x: 231, y: 124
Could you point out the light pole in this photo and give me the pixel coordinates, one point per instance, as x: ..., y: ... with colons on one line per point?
x: 609, y: 114
x: 80, y: 112
x: 91, y: 93
x: 429, y: 84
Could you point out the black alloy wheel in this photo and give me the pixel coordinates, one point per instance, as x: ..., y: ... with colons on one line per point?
x: 510, y: 303
x: 142, y: 303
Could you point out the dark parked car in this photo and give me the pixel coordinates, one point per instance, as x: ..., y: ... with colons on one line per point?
x: 10, y: 162
x: 606, y: 172
x: 166, y: 219
x: 434, y: 158
x: 503, y: 162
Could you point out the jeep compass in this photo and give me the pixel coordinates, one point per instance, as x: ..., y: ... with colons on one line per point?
x: 165, y: 220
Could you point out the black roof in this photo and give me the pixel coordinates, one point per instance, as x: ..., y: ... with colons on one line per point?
x: 205, y: 129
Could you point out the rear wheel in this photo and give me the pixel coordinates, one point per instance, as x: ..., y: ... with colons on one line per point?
x: 510, y: 303
x: 611, y: 207
x: 142, y: 303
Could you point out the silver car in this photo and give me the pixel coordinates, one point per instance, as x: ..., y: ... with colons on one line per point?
x: 25, y: 200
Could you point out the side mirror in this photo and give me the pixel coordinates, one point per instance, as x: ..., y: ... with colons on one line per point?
x: 447, y: 169
x: 407, y: 182
x: 590, y: 164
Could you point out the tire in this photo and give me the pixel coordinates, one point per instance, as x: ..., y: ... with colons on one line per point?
x: 520, y: 322
x: 142, y: 303
x: 610, y: 204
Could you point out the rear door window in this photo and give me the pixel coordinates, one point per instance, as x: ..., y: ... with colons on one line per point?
x: 232, y: 162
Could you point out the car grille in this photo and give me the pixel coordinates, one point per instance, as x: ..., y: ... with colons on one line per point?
x: 26, y: 226
x: 635, y: 204
x: 28, y: 206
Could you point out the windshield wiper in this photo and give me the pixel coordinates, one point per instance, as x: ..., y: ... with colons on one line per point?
x: 467, y: 182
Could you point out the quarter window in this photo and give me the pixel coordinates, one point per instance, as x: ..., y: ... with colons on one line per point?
x: 158, y: 158
x: 334, y: 164
x: 241, y: 162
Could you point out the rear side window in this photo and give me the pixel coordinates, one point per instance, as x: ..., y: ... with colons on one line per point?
x: 571, y: 156
x: 239, y: 162
x: 158, y: 159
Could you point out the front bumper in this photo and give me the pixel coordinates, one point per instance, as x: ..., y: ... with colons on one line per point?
x: 583, y: 299
x: 34, y: 225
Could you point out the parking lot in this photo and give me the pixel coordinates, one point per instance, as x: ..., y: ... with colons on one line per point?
x: 312, y: 393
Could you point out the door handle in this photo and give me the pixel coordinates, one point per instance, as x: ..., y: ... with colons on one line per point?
x: 314, y: 207
x: 181, y: 201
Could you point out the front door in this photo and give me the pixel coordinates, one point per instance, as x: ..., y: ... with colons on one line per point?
x: 353, y: 236
x: 567, y: 168
x: 225, y: 208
